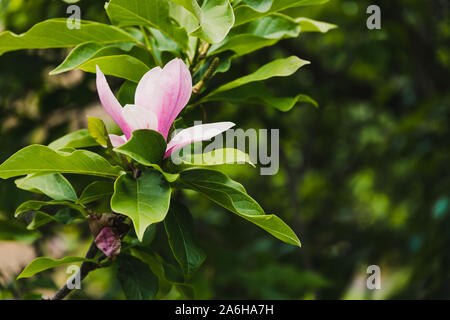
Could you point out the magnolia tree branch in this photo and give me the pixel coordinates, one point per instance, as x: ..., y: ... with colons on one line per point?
x: 85, y: 268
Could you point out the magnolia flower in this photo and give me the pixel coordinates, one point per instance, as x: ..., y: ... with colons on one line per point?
x: 160, y: 96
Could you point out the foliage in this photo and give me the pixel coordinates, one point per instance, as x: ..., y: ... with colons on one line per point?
x: 363, y: 178
x: 135, y: 185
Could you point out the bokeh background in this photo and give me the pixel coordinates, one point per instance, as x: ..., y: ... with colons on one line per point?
x: 364, y: 179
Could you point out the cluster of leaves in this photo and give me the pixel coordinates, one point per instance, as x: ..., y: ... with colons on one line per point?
x: 133, y: 180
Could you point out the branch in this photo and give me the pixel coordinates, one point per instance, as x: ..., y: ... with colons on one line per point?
x: 85, y: 268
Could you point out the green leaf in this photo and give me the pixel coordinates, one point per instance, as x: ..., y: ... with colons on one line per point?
x: 15, y: 231
x: 257, y: 34
x: 127, y: 58
x: 42, y: 159
x: 77, y: 139
x: 231, y: 195
x: 265, y: 32
x: 95, y: 191
x: 161, y: 44
x: 77, y: 56
x: 44, y: 263
x: 310, y: 25
x: 145, y: 146
x: 83, y: 53
x: 54, y: 33
x: 34, y: 205
x: 214, y: 157
x: 145, y: 199
x: 98, y: 132
x: 137, y: 280
x: 277, y: 68
x: 258, y: 93
x: 125, y: 95
x: 39, y: 219
x: 166, y: 286
x: 121, y: 66
x: 215, y: 18
x: 153, y: 14
x: 179, y: 228
x: 249, y: 10
x: 64, y: 215
x: 56, y: 186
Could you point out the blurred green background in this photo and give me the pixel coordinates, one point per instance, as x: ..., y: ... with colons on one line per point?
x: 364, y: 179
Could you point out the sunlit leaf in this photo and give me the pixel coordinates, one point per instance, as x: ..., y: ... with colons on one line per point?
x: 213, y: 158
x: 77, y: 139
x: 56, y: 186
x: 44, y: 263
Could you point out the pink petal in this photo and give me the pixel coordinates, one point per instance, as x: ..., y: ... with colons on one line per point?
x: 110, y: 103
x: 175, y: 87
x: 139, y: 118
x: 148, y: 93
x: 116, y: 140
x: 196, y: 133
x: 108, y: 241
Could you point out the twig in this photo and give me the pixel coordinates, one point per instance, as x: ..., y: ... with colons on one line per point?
x: 85, y: 268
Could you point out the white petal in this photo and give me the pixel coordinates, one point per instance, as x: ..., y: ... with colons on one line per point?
x: 116, y: 140
x: 196, y: 133
x: 139, y: 117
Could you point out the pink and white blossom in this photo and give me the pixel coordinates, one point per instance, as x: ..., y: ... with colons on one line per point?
x: 160, y: 96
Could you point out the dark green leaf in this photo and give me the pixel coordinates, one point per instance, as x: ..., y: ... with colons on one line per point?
x: 137, y: 280
x: 179, y: 228
x: 231, y: 195
x: 15, y: 231
x: 168, y: 289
